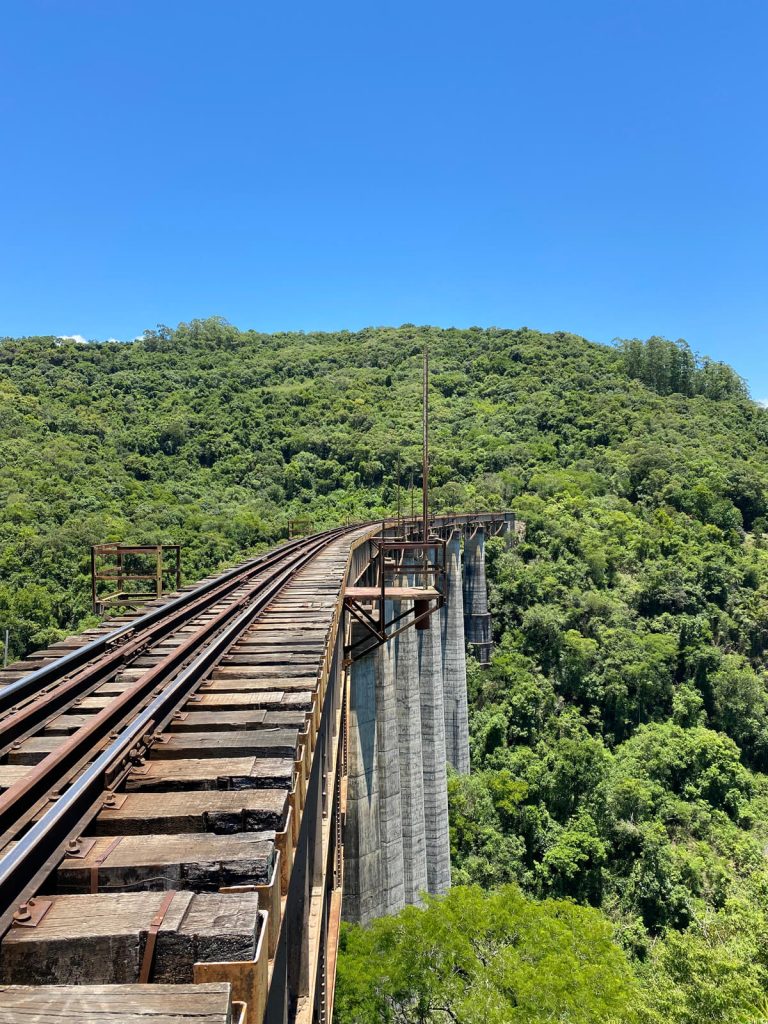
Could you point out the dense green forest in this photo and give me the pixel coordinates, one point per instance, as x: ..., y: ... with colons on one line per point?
x: 612, y: 833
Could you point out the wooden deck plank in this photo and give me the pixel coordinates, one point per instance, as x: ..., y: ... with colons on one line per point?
x: 100, y: 939
x: 212, y: 773
x: 219, y: 811
x: 115, y: 1004
x: 201, y: 862
x: 217, y: 721
x: 240, y: 683
x: 245, y: 743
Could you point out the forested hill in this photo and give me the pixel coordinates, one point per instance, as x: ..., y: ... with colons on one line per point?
x: 619, y: 737
x: 214, y: 438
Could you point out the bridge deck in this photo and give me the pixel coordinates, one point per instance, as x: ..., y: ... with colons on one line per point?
x: 217, y: 802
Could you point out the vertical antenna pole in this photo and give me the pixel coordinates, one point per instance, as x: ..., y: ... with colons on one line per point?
x: 399, y: 503
x: 425, y: 459
x: 94, y: 589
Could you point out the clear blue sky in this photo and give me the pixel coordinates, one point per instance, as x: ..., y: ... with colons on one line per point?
x: 595, y: 166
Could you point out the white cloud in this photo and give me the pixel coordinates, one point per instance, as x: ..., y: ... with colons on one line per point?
x: 80, y: 340
x: 763, y: 402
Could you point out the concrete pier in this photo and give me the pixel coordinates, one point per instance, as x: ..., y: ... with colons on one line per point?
x: 362, y: 896
x: 433, y: 757
x: 477, y: 618
x: 411, y: 767
x: 388, y: 754
x: 455, y: 663
x: 408, y: 719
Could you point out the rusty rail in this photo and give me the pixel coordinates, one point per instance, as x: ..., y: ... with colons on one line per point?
x: 32, y: 858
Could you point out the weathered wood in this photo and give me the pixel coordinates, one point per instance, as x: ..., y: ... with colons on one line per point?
x: 223, y: 812
x: 114, y: 686
x: 212, y: 773
x: 65, y: 724
x: 115, y: 1004
x: 278, y: 643
x: 282, y: 656
x: 245, y: 684
x: 10, y: 774
x: 201, y: 862
x: 284, y: 663
x: 100, y: 939
x: 234, y: 701
x: 242, y: 701
x: 34, y: 749
x: 216, y: 721
x: 286, y: 719
x: 282, y: 677
x: 269, y: 629
x: 262, y: 743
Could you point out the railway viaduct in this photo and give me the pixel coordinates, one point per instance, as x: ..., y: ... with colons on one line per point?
x: 193, y: 796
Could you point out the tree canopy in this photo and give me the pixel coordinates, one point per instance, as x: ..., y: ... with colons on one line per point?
x: 472, y: 958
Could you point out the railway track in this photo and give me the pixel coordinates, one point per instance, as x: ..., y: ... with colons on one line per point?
x: 173, y: 796
x: 152, y: 782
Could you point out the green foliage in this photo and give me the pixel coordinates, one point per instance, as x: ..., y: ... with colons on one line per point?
x: 475, y: 958
x: 214, y: 438
x: 669, y: 367
x: 631, y: 620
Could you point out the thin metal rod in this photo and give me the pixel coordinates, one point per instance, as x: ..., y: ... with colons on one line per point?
x: 399, y: 503
x: 425, y: 459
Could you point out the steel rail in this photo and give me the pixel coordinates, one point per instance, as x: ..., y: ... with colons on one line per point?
x: 26, y: 865
x: 23, y: 722
x: 31, y: 683
x: 21, y: 801
x: 73, y: 757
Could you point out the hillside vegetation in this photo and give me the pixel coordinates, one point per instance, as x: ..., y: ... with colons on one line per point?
x: 620, y: 736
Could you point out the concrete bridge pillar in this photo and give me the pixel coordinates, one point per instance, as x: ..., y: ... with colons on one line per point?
x: 363, y: 894
x: 408, y: 718
x: 455, y: 663
x: 390, y: 803
x: 477, y: 618
x: 411, y: 766
x: 433, y: 758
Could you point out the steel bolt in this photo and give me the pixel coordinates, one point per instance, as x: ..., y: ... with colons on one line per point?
x: 22, y: 914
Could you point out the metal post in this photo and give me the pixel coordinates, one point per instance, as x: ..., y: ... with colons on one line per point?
x: 425, y: 459
x: 399, y: 505
x: 94, y: 589
x: 382, y: 588
x: 5, y: 649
